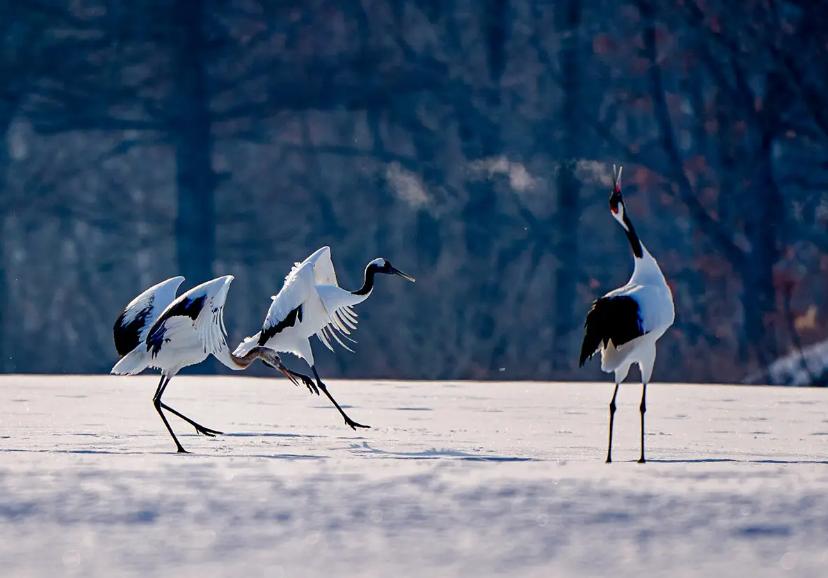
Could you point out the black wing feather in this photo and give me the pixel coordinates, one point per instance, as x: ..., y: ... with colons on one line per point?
x: 127, y: 335
x: 616, y: 319
x: 185, y: 307
x: 288, y: 321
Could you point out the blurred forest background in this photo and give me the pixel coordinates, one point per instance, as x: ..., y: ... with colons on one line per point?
x: 468, y: 141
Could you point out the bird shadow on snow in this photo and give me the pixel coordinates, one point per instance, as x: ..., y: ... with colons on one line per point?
x: 84, y: 452
x: 250, y: 434
x: 93, y: 452
x: 690, y: 461
x: 732, y: 460
x: 435, y: 454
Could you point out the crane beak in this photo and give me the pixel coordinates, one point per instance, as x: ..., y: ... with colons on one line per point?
x: 616, y: 178
x: 405, y: 276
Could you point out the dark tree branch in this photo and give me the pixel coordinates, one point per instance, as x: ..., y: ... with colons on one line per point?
x: 662, y: 113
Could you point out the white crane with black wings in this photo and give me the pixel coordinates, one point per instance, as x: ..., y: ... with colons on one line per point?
x: 161, y: 331
x: 625, y: 324
x: 311, y: 302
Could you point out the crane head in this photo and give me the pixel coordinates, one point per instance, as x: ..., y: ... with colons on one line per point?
x: 381, y: 265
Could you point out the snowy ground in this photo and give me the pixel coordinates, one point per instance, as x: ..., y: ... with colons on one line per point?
x: 454, y: 479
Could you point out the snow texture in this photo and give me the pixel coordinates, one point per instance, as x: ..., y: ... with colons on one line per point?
x: 454, y: 479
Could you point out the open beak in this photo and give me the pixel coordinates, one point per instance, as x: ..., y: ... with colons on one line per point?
x: 405, y: 276
x: 616, y: 178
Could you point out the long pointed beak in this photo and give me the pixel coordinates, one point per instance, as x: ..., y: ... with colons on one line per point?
x: 405, y: 276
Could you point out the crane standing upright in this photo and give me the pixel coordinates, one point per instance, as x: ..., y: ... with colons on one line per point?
x: 625, y: 323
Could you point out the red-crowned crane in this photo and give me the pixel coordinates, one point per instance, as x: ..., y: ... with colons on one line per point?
x: 311, y: 302
x: 625, y: 323
x: 161, y: 331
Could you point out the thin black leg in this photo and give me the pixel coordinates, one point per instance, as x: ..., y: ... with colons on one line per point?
x: 348, y: 421
x: 156, y: 401
x: 643, y: 409
x: 198, y: 427
x: 160, y: 387
x: 611, y: 422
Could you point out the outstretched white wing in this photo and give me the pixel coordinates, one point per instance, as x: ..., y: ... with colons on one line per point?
x: 342, y: 319
x: 337, y: 301
x: 211, y: 331
x: 306, y: 280
x: 323, y: 269
x: 311, y: 296
x: 135, y: 321
x: 193, y: 322
x: 287, y: 307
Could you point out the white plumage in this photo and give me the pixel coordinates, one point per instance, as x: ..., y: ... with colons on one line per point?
x: 185, y: 332
x: 311, y: 302
x: 649, y: 290
x: 135, y: 321
x: 625, y: 324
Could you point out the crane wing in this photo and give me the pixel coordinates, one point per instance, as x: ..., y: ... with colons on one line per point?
x: 342, y: 318
x: 336, y: 301
x: 655, y: 305
x: 194, y: 320
x: 209, y: 326
x: 615, y: 318
x: 180, y: 335
x: 286, y: 309
x: 310, y: 289
x: 177, y: 333
x: 323, y: 269
x: 135, y: 321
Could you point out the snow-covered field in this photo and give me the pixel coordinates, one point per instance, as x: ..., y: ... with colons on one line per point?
x: 454, y: 479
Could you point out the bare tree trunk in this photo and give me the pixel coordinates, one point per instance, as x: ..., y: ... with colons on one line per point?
x: 497, y: 33
x: 763, y: 233
x: 6, y: 360
x: 192, y: 139
x: 764, y: 216
x: 569, y: 206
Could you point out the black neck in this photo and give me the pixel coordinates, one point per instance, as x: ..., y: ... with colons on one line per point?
x: 368, y: 283
x: 635, y: 244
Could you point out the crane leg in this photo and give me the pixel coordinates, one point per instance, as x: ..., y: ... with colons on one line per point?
x: 198, y: 427
x: 156, y: 401
x: 643, y: 409
x: 348, y: 421
x: 611, y: 422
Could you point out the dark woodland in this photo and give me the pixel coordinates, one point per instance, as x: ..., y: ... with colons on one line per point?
x: 468, y: 141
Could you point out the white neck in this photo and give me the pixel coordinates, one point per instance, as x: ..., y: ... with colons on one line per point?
x: 647, y: 271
